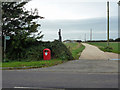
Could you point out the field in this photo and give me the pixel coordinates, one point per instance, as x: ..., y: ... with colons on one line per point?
x: 103, y: 45
x: 75, y: 48
x: 33, y: 64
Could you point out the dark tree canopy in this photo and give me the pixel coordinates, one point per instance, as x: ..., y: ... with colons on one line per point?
x: 20, y: 24
x: 119, y: 3
x: 16, y: 20
x: 117, y: 39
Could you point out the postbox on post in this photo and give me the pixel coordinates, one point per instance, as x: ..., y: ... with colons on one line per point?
x: 46, y: 54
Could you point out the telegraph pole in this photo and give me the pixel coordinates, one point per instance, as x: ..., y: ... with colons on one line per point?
x: 85, y: 37
x: 108, y: 23
x: 90, y: 34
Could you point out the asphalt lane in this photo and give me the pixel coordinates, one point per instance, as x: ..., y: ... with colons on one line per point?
x: 83, y: 66
x: 41, y: 79
x: 72, y: 74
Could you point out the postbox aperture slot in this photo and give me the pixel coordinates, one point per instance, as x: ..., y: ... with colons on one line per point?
x: 46, y: 50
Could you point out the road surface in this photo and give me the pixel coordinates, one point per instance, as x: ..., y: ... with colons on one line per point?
x: 73, y: 74
x: 37, y: 79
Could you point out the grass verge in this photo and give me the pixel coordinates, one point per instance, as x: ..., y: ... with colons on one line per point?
x: 103, y: 46
x: 75, y: 49
x: 33, y: 64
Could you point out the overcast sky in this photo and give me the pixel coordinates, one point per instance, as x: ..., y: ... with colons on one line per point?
x: 73, y: 9
x: 67, y: 15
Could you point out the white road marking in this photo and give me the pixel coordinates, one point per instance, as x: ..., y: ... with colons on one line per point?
x: 22, y: 87
x: 39, y: 88
x: 114, y: 59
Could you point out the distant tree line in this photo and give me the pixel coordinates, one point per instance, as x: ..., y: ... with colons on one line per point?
x: 110, y: 40
x: 72, y: 41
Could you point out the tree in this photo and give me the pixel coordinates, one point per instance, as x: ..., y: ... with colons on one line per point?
x: 119, y: 3
x: 20, y: 25
x: 111, y: 40
x: 117, y: 39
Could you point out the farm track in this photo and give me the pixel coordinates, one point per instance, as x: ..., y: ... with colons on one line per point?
x: 94, y: 53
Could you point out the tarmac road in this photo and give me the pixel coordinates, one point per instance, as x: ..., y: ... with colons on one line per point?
x: 16, y: 79
x: 73, y: 74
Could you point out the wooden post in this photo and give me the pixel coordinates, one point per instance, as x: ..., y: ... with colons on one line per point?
x: 108, y: 23
x: 4, y: 47
x: 59, y: 33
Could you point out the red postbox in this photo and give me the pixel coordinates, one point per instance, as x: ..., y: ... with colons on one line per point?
x: 46, y: 54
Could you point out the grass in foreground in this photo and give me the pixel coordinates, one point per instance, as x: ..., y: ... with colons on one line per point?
x: 75, y: 48
x: 43, y: 63
x: 103, y: 45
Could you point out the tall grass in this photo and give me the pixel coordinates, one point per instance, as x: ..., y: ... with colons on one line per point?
x: 75, y: 49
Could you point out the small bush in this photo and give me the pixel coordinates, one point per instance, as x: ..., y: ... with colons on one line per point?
x: 34, y: 53
x: 59, y: 50
x: 108, y: 49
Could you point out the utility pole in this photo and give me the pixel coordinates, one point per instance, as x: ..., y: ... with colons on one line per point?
x: 85, y: 37
x: 90, y: 34
x: 118, y: 19
x: 59, y: 33
x: 108, y: 23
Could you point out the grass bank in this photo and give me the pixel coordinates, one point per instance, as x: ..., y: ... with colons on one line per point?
x: 102, y: 46
x: 33, y: 64
x: 34, y: 51
x: 75, y: 49
x: 34, y: 55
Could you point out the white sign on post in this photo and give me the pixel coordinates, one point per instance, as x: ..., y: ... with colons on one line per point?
x: 7, y: 37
